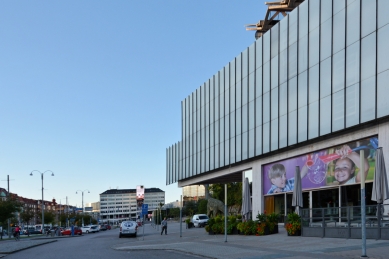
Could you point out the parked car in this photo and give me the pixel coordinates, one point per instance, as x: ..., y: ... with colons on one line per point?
x: 68, y: 231
x: 86, y: 229
x: 128, y: 228
x: 95, y: 228
x: 200, y: 220
x: 103, y: 227
x: 108, y: 227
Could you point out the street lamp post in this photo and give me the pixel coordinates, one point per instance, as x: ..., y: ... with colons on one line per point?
x: 82, y: 204
x: 43, y: 206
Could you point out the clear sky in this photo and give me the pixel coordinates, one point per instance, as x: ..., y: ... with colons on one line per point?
x: 92, y: 90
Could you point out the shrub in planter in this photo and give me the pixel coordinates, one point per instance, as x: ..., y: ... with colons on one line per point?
x: 293, y: 226
x: 232, y: 223
x: 189, y: 224
x: 270, y: 222
x: 248, y: 227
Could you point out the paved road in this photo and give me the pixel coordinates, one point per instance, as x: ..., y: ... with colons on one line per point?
x: 96, y: 245
x: 195, y: 243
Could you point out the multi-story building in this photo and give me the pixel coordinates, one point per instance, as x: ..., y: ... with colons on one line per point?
x: 93, y: 209
x: 121, y: 204
x: 193, y: 193
x: 312, y: 87
x: 35, y: 207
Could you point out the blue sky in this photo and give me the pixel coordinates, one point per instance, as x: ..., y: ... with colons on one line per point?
x: 92, y: 89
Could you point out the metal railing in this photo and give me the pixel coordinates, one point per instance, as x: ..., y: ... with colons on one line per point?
x: 325, y: 220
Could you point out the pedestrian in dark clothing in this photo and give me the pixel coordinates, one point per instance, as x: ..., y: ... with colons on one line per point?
x: 164, y: 226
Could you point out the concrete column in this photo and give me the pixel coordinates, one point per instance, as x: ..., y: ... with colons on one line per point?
x: 257, y: 195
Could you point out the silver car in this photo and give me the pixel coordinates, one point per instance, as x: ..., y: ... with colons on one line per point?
x: 128, y: 228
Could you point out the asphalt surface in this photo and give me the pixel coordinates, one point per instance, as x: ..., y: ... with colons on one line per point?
x: 193, y: 243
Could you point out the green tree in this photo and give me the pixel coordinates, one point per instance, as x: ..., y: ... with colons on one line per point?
x: 49, y: 217
x: 190, y: 208
x: 202, y: 206
x: 174, y: 213
x: 26, y: 215
x: 8, y: 207
x: 234, y: 193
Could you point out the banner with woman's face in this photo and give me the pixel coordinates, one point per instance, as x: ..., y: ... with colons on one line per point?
x: 337, y: 165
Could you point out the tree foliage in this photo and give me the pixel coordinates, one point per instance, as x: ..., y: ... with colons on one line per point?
x: 234, y: 193
x: 8, y: 207
x: 49, y: 217
x: 174, y: 213
x: 190, y: 208
x: 202, y: 206
x: 26, y: 215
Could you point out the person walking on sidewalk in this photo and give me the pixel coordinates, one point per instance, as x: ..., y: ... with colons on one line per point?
x: 164, y: 226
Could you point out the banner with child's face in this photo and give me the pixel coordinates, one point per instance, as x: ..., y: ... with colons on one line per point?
x: 337, y: 165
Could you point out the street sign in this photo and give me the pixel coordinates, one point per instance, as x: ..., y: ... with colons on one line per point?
x: 145, y: 209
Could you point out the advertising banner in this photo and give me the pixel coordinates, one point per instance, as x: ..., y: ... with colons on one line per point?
x: 140, y: 195
x: 338, y: 165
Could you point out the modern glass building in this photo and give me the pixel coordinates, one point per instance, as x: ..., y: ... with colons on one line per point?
x: 312, y: 87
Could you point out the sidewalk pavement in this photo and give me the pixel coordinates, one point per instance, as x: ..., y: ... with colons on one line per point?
x: 11, y: 246
x: 197, y: 242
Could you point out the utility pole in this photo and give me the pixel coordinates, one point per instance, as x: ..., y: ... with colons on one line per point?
x: 9, y: 230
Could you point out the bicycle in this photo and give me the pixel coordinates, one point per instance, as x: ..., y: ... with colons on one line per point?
x: 17, y: 236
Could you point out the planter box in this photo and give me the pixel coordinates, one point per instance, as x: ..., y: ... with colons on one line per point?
x: 235, y: 231
x: 297, y: 233
x: 189, y: 225
x: 268, y: 232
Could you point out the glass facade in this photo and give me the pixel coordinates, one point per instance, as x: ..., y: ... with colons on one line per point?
x: 322, y: 69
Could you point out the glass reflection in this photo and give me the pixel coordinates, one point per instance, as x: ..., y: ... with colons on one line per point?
x: 302, y: 124
x: 352, y: 67
x: 352, y: 105
x: 258, y: 53
x: 338, y: 71
x: 314, y: 47
x: 292, y: 127
x: 338, y: 31
x: 368, y: 99
x: 382, y: 49
x: 274, y: 134
x: 258, y: 140
x: 325, y: 11
x: 266, y: 137
x: 383, y: 17
x: 325, y: 39
x: 368, y: 61
x: 353, y: 18
x: 368, y: 17
x: 283, y: 131
x: 382, y: 94
x: 338, y: 111
x: 325, y: 115
x: 313, y: 125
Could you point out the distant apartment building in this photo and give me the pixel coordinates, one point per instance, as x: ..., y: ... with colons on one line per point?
x: 35, y: 207
x: 121, y: 204
x: 93, y: 209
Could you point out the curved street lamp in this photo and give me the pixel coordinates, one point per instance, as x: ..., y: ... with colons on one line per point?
x: 82, y: 203
x: 43, y: 206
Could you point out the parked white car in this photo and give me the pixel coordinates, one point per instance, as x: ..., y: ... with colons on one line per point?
x: 128, y: 228
x: 89, y: 229
x: 200, y: 220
